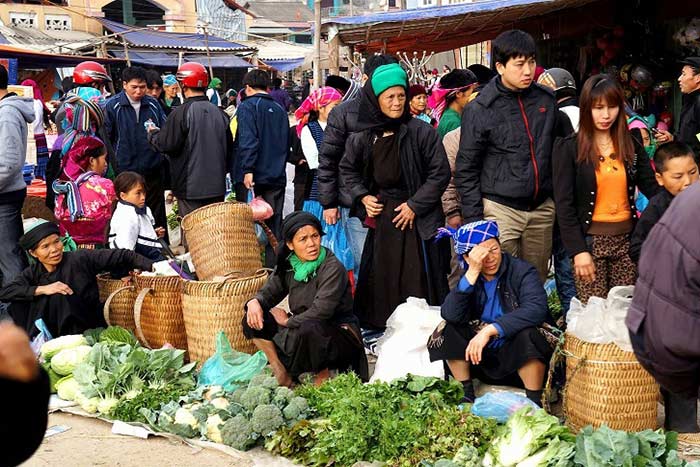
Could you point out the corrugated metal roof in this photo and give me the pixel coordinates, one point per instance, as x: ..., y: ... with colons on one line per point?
x: 55, y: 41
x: 439, y: 28
x: 40, y: 60
x: 171, y: 40
x: 270, y: 50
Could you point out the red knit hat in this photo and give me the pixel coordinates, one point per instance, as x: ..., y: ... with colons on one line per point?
x: 416, y: 90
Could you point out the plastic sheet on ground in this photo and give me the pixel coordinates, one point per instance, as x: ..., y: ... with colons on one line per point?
x: 403, y: 347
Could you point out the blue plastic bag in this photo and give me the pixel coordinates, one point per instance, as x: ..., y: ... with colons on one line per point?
x: 335, y: 238
x: 229, y: 368
x: 500, y: 405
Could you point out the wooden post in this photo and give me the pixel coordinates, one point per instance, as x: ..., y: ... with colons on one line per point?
x: 334, y: 55
x: 126, y: 52
x: 180, y: 58
x: 206, y: 43
x: 317, y: 44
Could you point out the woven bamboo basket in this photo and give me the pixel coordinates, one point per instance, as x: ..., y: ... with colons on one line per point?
x: 158, y: 311
x: 221, y: 238
x: 210, y: 307
x: 118, y: 298
x: 607, y: 385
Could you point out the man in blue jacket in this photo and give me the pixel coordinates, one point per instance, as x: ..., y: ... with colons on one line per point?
x: 125, y: 115
x: 263, y: 147
x: 491, y: 318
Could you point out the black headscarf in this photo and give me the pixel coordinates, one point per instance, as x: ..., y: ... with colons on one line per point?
x: 370, y: 114
x: 290, y: 226
x: 36, y: 234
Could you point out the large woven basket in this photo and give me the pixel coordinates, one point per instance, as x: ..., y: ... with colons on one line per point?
x: 118, y: 298
x: 158, y: 311
x: 607, y: 385
x: 221, y: 238
x: 210, y: 307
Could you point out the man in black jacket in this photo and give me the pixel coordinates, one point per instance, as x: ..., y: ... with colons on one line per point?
x: 197, y: 140
x: 689, y: 123
x: 342, y: 122
x: 504, y: 165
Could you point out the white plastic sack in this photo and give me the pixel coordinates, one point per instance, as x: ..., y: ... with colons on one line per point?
x: 403, y: 347
x: 602, y: 321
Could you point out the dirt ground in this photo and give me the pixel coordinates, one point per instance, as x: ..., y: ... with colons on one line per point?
x: 90, y: 442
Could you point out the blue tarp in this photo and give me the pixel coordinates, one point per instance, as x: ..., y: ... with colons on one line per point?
x: 286, y: 64
x: 165, y: 59
x: 3, y: 40
x: 170, y: 40
x: 434, y: 12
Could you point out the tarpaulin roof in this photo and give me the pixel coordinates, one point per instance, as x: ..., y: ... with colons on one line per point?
x: 3, y: 40
x: 285, y: 65
x: 172, y: 59
x: 171, y: 40
x: 41, y: 60
x: 439, y: 28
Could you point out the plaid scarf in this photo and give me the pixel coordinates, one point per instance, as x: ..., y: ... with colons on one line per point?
x: 317, y: 99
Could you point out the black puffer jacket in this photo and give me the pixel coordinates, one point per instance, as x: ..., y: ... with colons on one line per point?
x: 424, y: 167
x: 342, y: 122
x: 505, y: 152
x: 690, y: 122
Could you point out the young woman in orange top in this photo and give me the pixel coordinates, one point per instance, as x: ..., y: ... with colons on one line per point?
x: 596, y: 172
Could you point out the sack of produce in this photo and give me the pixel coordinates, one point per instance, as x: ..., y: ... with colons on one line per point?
x: 229, y: 368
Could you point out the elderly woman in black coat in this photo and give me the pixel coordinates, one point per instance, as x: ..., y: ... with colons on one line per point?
x: 395, y: 170
x: 320, y: 332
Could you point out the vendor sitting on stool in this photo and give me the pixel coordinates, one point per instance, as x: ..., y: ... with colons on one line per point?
x: 321, y: 332
x: 491, y: 318
x: 61, y: 288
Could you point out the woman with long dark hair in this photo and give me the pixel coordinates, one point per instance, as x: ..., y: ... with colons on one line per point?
x: 595, y: 175
x: 395, y: 170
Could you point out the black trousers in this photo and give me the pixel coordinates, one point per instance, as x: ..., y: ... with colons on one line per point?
x: 275, y: 197
x: 155, y: 197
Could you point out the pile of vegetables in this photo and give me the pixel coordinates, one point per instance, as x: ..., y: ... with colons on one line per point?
x: 239, y: 419
x: 364, y: 422
x: 60, y: 357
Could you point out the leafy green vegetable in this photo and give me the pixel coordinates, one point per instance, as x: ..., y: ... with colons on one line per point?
x: 296, y: 442
x: 67, y: 388
x: 118, y: 335
x: 92, y: 336
x: 607, y: 447
x: 52, y: 347
x: 53, y: 376
x: 524, y: 434
x: 65, y: 361
x: 129, y: 410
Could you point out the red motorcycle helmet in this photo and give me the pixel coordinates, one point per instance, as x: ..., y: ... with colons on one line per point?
x: 192, y: 75
x: 90, y: 72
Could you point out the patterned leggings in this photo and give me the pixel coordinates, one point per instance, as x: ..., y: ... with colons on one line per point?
x: 613, y: 267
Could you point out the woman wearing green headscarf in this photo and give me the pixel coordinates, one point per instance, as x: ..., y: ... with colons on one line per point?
x: 213, y: 92
x: 395, y: 170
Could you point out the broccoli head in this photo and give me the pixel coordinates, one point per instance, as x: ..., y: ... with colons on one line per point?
x: 255, y: 396
x: 266, y: 419
x: 282, y: 396
x: 467, y: 456
x: 237, y: 432
x: 296, y: 409
x: 236, y: 395
x: 265, y: 380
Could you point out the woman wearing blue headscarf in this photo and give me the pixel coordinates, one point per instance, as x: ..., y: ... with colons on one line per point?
x: 490, y: 328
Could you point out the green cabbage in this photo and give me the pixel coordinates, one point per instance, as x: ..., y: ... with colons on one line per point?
x: 67, y: 388
x: 65, y: 361
x: 52, y: 347
x: 118, y: 335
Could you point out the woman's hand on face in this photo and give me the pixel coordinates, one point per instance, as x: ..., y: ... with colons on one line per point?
x: 372, y: 206
x: 584, y: 267
x: 405, y: 217
x: 280, y: 316
x: 664, y: 136
x: 54, y: 289
x: 254, y: 315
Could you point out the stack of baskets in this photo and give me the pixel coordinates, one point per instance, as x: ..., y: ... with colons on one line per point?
x: 222, y: 242
x: 189, y: 314
x: 607, y: 385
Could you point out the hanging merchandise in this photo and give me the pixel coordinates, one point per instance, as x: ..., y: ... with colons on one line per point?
x: 689, y: 36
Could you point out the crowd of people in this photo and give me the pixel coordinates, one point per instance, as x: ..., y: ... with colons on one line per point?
x: 465, y: 193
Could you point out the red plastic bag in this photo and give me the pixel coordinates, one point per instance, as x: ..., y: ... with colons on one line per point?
x: 261, y: 209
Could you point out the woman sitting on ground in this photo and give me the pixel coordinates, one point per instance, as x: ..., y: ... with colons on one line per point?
x: 491, y: 318
x: 320, y: 333
x: 61, y: 288
x: 84, y: 197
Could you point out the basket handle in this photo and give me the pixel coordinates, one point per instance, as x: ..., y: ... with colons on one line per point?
x: 270, y: 236
x: 108, y: 302
x: 138, y: 305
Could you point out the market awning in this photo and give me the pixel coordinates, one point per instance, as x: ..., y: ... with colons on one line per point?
x: 3, y: 40
x: 40, y: 60
x: 172, y: 59
x: 171, y: 40
x: 438, y: 29
x: 285, y: 65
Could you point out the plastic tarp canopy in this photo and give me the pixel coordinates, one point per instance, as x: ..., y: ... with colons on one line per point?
x: 164, y: 59
x: 285, y: 65
x: 170, y: 40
